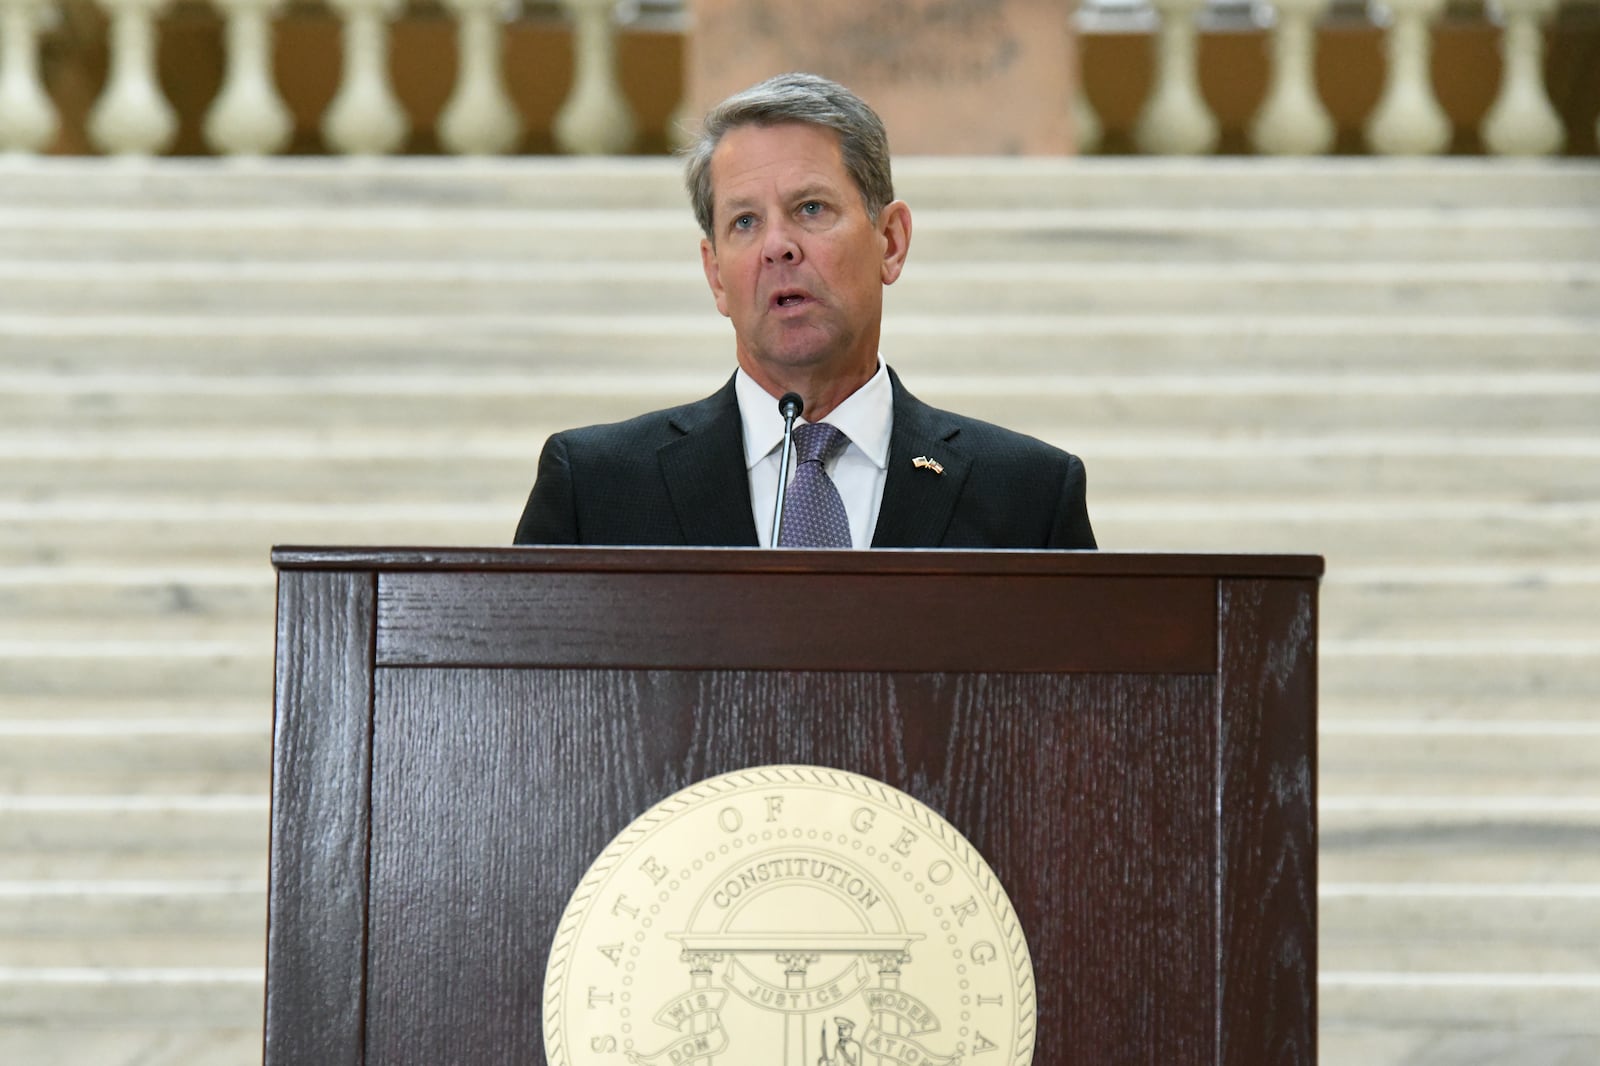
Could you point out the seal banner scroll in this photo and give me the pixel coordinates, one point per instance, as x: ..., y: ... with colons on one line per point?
x: 688, y: 1049
x: 769, y: 996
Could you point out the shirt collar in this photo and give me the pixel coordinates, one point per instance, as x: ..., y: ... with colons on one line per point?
x: 865, y: 416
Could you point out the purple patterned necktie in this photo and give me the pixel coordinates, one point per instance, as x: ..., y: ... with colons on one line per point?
x: 813, y: 513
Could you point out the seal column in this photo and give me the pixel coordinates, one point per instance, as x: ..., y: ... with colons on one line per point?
x: 888, y: 964
x: 701, y: 966
x: 795, y: 965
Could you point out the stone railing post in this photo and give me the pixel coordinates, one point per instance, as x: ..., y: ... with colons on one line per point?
x: 27, y: 118
x: 1086, y: 127
x: 595, y: 119
x: 365, y: 118
x: 479, y: 118
x: 1293, y: 120
x: 1522, y: 121
x: 1408, y: 119
x: 248, y: 116
x: 132, y: 117
x: 1175, y: 119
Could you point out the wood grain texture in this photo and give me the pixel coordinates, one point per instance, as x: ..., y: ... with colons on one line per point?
x: 1267, y: 697
x: 493, y: 791
x: 867, y: 621
x: 1155, y: 828
x: 316, y: 924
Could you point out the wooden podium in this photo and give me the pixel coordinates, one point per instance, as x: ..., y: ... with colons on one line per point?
x: 1129, y: 740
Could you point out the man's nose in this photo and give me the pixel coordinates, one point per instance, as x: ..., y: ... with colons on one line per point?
x: 781, y: 245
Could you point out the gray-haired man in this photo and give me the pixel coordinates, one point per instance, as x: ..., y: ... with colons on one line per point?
x: 791, y: 185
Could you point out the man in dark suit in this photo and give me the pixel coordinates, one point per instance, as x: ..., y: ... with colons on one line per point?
x: 791, y: 186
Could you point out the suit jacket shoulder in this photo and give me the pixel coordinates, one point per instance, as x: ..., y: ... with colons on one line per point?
x: 671, y: 477
x: 960, y: 482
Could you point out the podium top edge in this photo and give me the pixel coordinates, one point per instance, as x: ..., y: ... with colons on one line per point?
x: 927, y: 561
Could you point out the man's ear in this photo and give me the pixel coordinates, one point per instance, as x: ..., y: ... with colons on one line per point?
x: 894, y: 226
x: 708, y: 262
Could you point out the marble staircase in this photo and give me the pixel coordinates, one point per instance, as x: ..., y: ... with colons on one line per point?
x: 1392, y: 363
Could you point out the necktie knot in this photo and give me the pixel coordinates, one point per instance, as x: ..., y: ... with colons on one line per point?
x: 816, y: 442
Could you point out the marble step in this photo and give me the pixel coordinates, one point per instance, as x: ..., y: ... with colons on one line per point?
x: 152, y: 757
x: 1401, y: 670
x: 698, y: 345
x: 238, y: 603
x: 106, y: 530
x: 49, y: 603
x: 656, y: 183
x: 141, y: 671
x: 192, y: 1040
x: 1486, y: 1041
x: 1307, y: 232
x: 1557, y: 1005
x: 1453, y: 840
x: 1502, y: 764
x: 90, y: 1000
x: 156, y: 837
x: 1460, y: 604
x: 1384, y: 926
x: 234, y: 758
x: 426, y: 288
x: 1517, y: 713
x: 230, y: 467
x: 119, y: 710
x: 1494, y: 1040
x: 1053, y: 407
x: 1508, y: 1037
x: 1372, y: 924
x: 121, y: 925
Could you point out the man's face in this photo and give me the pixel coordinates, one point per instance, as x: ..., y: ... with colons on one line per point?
x: 796, y: 263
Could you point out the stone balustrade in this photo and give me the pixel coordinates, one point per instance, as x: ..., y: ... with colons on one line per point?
x: 248, y: 117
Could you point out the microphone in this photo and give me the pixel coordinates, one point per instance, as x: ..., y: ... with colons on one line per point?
x: 789, y: 406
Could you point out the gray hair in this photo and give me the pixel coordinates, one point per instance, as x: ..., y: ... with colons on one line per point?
x: 805, y: 98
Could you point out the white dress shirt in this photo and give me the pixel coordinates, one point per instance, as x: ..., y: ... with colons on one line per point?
x: 866, y: 417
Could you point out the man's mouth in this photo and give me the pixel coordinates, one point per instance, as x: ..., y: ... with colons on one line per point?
x: 789, y: 299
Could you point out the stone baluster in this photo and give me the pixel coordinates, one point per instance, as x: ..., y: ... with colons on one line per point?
x: 1522, y: 121
x: 1086, y: 128
x: 1293, y: 120
x: 480, y: 118
x: 365, y: 118
x: 595, y: 119
x: 132, y: 117
x: 27, y: 119
x: 1408, y: 119
x: 1175, y: 119
x: 248, y: 116
x: 683, y: 125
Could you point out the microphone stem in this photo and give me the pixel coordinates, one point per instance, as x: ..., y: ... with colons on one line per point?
x: 783, y: 475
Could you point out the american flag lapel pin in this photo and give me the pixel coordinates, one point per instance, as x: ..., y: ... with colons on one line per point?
x: 922, y: 462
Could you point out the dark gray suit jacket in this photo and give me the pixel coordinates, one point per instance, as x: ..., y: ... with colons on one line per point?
x: 677, y: 477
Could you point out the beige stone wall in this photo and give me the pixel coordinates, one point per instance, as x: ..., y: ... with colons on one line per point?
x: 949, y: 77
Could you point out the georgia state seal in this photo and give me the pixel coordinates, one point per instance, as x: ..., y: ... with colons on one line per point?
x: 789, y: 915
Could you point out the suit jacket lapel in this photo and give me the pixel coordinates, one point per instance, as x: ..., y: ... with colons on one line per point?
x: 705, y: 473
x: 918, y: 503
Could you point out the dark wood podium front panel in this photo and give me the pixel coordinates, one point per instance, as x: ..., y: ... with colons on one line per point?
x: 1151, y: 820
x: 1040, y: 773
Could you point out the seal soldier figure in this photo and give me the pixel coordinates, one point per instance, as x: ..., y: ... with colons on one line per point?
x: 846, y: 1051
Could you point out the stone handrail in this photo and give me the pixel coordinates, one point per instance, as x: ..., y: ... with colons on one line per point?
x: 248, y: 117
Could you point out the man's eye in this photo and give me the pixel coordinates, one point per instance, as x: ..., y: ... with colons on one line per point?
x: 811, y: 207
x: 744, y: 222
